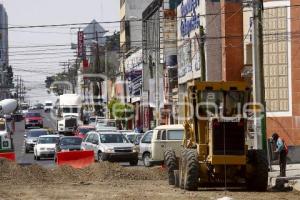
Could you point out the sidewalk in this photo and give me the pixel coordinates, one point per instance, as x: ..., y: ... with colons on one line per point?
x: 291, y: 170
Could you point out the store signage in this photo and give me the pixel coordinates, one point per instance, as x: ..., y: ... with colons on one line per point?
x: 80, y: 44
x: 189, y: 7
x: 191, y: 20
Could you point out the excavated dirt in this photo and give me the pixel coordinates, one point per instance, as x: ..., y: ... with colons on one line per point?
x: 106, y: 181
x: 13, y: 173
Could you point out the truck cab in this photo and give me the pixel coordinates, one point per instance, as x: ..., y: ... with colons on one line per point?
x: 69, y: 113
x: 5, y: 136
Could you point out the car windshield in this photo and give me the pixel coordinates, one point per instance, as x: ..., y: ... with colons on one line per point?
x: 175, y: 134
x: 37, y: 133
x: 113, y: 138
x: 131, y: 138
x: 70, y: 141
x: 85, y: 130
x: 92, y: 119
x: 70, y: 110
x: 33, y: 115
x: 48, y: 140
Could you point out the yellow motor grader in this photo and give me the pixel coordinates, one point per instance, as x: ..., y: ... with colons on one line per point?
x: 214, y: 149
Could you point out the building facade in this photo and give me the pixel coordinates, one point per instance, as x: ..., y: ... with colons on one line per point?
x: 4, y: 62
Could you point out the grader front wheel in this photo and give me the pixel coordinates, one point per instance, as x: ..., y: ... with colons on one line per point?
x: 191, y: 175
x: 171, y: 164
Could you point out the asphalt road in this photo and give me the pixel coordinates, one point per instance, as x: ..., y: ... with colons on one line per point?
x: 27, y: 158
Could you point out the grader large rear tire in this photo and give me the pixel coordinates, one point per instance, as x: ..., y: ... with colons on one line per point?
x: 191, y: 181
x: 257, y: 177
x: 171, y: 164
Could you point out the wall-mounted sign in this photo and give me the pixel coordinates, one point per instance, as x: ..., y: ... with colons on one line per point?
x: 80, y: 44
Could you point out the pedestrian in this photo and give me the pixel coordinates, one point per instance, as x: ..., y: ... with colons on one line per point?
x: 282, y: 151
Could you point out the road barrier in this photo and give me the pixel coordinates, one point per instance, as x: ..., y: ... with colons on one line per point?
x: 76, y: 159
x: 8, y: 155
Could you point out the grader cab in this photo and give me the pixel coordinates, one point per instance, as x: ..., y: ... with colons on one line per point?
x: 215, y: 151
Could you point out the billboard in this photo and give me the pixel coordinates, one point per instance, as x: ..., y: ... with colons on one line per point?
x: 80, y: 50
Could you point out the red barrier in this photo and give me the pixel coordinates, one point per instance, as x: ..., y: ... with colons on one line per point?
x: 8, y: 155
x: 76, y: 159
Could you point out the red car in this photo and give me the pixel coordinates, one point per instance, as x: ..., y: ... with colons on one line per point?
x: 81, y: 131
x: 33, y: 119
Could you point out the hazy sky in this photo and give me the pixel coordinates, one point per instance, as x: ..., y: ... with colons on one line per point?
x: 33, y: 63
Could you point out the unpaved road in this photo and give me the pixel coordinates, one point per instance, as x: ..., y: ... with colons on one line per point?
x: 105, y: 181
x: 125, y: 189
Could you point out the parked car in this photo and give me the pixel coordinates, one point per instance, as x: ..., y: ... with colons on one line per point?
x: 165, y: 137
x: 33, y: 119
x: 130, y: 135
x: 101, y: 122
x: 45, y: 146
x: 31, y: 137
x: 111, y: 146
x: 48, y: 106
x: 68, y: 143
x: 81, y: 131
x: 145, y: 148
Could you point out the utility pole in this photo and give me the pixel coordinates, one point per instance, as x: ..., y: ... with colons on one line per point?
x: 258, y: 80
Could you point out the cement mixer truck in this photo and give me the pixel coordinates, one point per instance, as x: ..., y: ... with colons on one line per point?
x: 7, y: 107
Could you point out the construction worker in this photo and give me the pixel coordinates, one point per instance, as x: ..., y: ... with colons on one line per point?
x: 282, y: 150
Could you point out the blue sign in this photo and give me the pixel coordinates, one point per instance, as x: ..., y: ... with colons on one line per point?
x: 190, y: 24
x: 188, y: 7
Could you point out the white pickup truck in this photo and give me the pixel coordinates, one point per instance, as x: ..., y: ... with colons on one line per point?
x: 68, y: 113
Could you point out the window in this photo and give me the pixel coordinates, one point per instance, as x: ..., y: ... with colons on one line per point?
x: 89, y: 138
x: 163, y: 135
x: 175, y: 135
x: 36, y: 134
x: 70, y: 141
x: 48, y: 140
x: 33, y: 115
x: 147, y: 138
x: 276, y: 61
x: 2, y: 126
x: 113, y: 138
x: 96, y: 139
x: 158, y: 134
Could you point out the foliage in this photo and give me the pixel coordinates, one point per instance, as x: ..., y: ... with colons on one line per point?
x: 119, y: 110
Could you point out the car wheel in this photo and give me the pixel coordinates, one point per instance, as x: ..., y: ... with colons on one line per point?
x: 146, y: 159
x: 100, y: 156
x: 26, y: 150
x: 34, y: 157
x: 38, y: 158
x: 133, y: 162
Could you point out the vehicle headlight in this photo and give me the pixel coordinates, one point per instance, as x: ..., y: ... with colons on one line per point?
x: 109, y: 150
x: 135, y: 149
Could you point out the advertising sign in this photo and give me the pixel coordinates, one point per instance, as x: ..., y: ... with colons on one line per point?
x: 80, y: 44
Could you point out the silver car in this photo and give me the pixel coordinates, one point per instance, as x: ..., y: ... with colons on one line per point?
x: 145, y: 148
x: 111, y: 146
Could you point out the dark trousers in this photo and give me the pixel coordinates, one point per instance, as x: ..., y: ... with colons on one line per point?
x: 282, y: 163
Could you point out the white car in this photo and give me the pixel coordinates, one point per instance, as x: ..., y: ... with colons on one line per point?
x: 45, y: 146
x: 48, y: 106
x: 111, y: 146
x: 145, y: 148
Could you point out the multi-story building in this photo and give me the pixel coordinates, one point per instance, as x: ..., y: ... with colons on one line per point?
x: 281, y: 69
x: 210, y: 44
x: 131, y: 55
x: 3, y: 52
x: 130, y: 27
